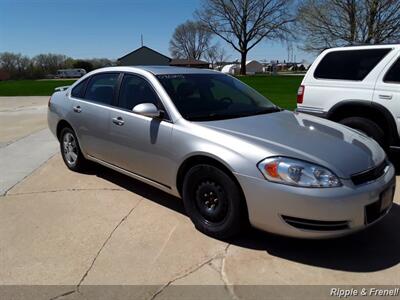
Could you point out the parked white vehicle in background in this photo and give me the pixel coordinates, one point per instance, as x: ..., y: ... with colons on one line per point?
x: 71, y: 73
x: 358, y: 86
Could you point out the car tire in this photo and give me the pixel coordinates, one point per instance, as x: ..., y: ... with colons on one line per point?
x: 70, y: 150
x: 368, y: 127
x: 213, y: 201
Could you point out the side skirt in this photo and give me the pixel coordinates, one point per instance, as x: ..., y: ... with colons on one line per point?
x: 146, y: 180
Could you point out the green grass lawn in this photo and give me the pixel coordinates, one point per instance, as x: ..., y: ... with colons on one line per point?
x: 31, y: 87
x: 280, y: 89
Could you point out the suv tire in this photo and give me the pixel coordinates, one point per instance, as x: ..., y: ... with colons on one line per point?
x: 368, y: 127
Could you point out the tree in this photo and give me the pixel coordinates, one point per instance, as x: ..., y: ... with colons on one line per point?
x: 190, y: 40
x: 215, y: 55
x: 15, y: 65
x: 83, y: 64
x: 331, y: 23
x: 245, y: 23
x: 49, y: 63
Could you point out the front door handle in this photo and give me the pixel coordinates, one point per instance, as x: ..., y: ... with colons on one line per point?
x: 119, y: 121
x: 385, y: 97
x: 77, y: 109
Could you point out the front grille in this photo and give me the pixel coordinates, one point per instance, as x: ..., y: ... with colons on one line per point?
x: 370, y: 174
x: 316, y: 224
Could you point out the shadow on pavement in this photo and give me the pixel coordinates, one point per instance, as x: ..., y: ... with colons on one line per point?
x: 376, y: 248
x: 373, y: 249
x: 138, y: 187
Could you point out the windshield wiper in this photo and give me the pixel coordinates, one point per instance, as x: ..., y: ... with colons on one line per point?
x: 215, y: 116
x: 267, y: 110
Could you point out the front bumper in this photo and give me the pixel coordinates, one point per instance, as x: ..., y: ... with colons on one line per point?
x: 279, y: 208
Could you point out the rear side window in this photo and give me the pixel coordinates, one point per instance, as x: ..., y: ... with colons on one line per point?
x: 78, y: 90
x: 101, y: 88
x: 349, y: 64
x: 393, y: 75
x: 136, y: 90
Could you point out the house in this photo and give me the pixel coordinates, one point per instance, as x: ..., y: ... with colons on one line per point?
x: 232, y: 69
x: 144, y: 56
x: 189, y: 63
x: 253, y: 67
x: 147, y: 56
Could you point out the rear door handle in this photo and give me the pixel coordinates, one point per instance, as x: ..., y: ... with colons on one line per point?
x: 77, y: 109
x: 119, y: 121
x: 385, y: 97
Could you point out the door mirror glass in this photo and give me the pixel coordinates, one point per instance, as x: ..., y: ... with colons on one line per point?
x: 148, y: 110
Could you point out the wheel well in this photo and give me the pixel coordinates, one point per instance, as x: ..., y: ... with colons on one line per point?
x: 366, y: 111
x: 201, y: 159
x: 60, y: 126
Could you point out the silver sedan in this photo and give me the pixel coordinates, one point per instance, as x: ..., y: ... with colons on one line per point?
x: 233, y: 156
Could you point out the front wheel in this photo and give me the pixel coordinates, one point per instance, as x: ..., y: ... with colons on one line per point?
x: 70, y: 150
x: 213, y: 201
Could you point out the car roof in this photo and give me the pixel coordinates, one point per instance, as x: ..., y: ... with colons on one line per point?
x: 160, y: 70
x: 362, y: 47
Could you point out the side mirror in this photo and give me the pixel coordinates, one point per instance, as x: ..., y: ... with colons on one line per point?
x: 148, y: 110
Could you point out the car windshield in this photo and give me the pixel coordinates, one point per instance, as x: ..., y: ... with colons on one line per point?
x: 204, y: 97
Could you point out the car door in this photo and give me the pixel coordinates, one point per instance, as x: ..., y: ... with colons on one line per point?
x: 141, y: 144
x: 387, y: 89
x: 91, y: 114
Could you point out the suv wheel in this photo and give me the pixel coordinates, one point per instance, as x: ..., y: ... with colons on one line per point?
x: 213, y: 201
x: 368, y: 127
x: 70, y: 150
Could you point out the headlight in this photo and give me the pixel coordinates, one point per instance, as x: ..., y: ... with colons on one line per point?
x: 296, y: 172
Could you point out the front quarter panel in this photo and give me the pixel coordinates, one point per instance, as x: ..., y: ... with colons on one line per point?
x: 236, y: 154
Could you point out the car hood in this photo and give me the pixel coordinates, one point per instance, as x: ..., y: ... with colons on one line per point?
x: 339, y: 148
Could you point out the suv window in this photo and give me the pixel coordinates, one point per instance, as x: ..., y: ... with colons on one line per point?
x: 101, y: 88
x: 136, y: 90
x: 79, y: 89
x: 393, y: 75
x: 349, y: 64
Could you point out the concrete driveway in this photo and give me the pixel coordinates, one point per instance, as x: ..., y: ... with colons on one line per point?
x: 75, y: 233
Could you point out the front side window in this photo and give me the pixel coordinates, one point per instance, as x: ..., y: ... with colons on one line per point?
x: 202, y: 97
x: 79, y: 89
x: 393, y: 75
x: 135, y: 90
x: 101, y: 88
x: 349, y: 64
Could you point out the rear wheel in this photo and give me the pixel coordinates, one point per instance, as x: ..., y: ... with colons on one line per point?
x: 70, y: 150
x: 368, y: 127
x: 213, y: 201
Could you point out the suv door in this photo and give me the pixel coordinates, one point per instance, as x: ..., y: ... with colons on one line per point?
x: 91, y: 113
x: 141, y: 144
x: 387, y: 89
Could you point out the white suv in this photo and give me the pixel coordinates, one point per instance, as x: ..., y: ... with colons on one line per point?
x: 357, y: 86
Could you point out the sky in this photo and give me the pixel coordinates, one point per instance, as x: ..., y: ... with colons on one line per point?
x: 105, y: 28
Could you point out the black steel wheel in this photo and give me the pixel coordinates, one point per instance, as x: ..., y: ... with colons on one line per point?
x: 213, y: 201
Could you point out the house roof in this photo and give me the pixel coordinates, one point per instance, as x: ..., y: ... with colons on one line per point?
x: 178, y: 61
x: 143, y: 47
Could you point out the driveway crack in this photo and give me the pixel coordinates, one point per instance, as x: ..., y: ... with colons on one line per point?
x: 224, y: 277
x: 63, y: 295
x: 105, y: 243
x: 190, y: 271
